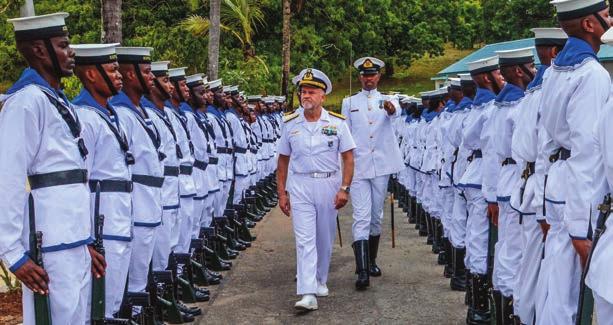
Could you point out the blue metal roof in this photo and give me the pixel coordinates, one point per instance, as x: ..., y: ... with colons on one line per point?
x: 605, y: 54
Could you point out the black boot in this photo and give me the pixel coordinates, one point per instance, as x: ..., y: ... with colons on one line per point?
x: 468, y: 295
x: 458, y: 279
x: 436, y: 242
x: 480, y: 314
x: 373, y: 249
x: 448, y: 271
x: 429, y: 229
x: 412, y: 209
x: 418, y: 215
x: 360, y: 250
x: 498, y: 313
x: 442, y: 254
x: 507, y: 311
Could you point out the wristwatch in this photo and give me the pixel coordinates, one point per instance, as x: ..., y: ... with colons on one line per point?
x: 345, y: 188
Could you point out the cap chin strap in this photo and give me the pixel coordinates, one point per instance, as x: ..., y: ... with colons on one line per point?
x: 54, y: 61
x: 602, y: 22
x: 141, y: 80
x: 162, y: 90
x: 527, y: 71
x: 179, y: 92
x: 106, y: 78
x: 494, y: 83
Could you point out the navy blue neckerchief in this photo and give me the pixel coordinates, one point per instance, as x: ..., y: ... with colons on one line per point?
x: 213, y: 110
x: 232, y: 111
x: 575, y: 51
x: 185, y: 107
x: 538, y: 79
x: 30, y: 76
x: 450, y: 107
x: 121, y: 99
x: 483, y: 96
x: 465, y: 103
x: 85, y: 98
x: 509, y: 93
x: 408, y: 119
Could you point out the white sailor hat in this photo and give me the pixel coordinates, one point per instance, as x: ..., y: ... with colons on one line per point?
x: 268, y: 99
x: 93, y: 54
x: 177, y: 74
x: 215, y: 84
x: 455, y: 83
x: 441, y: 92
x: 234, y: 90
x: 254, y: 98
x: 483, y: 65
x: 196, y: 80
x: 549, y: 36
x: 425, y: 95
x: 315, y: 78
x: 242, y: 94
x: 607, y: 38
x: 571, y: 9
x: 368, y: 65
x: 406, y: 100
x: 296, y: 80
x: 40, y: 27
x: 515, y: 57
x: 133, y: 54
x: 280, y: 99
x: 160, y: 68
x: 466, y: 79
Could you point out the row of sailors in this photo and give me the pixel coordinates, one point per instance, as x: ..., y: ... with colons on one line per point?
x: 505, y: 170
x: 179, y: 167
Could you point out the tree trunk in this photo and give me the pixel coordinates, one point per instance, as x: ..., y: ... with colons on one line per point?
x: 111, y: 21
x: 286, y: 47
x: 214, y: 36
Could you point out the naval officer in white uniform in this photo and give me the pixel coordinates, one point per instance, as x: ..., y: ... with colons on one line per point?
x: 314, y: 141
x: 370, y: 117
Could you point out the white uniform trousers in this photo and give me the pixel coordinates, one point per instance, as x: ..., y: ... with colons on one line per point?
x: 558, y: 284
x: 143, y: 243
x: 163, y: 239
x: 209, y: 209
x: 604, y: 310
x: 477, y: 230
x: 367, y: 198
x: 240, y: 185
x: 117, y: 255
x: 222, y: 199
x: 458, y: 220
x: 532, y: 253
x: 70, y: 287
x: 314, y: 220
x: 186, y: 217
x: 419, y: 185
x: 447, y: 203
x: 508, y: 249
x: 199, y: 211
x: 411, y: 179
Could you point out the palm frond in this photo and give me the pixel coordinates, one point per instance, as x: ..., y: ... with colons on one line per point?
x: 197, y: 25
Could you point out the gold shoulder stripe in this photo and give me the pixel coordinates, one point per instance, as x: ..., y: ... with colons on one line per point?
x: 290, y: 117
x: 341, y: 116
x: 289, y: 113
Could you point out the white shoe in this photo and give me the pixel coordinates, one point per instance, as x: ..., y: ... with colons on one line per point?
x: 322, y: 290
x: 307, y: 303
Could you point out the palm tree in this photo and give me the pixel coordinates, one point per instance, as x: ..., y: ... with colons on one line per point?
x: 240, y: 18
x: 214, y: 37
x: 287, y: 13
x: 111, y: 21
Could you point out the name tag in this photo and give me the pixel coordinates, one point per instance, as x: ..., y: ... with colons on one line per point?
x: 329, y: 130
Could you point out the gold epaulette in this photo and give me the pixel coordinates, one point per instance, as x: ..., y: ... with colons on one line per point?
x: 289, y: 113
x: 290, y: 117
x: 341, y: 116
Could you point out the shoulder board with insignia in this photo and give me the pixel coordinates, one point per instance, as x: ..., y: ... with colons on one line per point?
x: 341, y: 116
x: 290, y: 117
x: 289, y: 113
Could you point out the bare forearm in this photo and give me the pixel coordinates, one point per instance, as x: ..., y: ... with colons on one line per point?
x: 282, y: 167
x: 348, y: 165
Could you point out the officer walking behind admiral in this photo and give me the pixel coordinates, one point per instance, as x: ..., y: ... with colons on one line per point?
x: 377, y: 156
x: 40, y: 140
x: 313, y: 141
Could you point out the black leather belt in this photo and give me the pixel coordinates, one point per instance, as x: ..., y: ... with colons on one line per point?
x: 213, y: 160
x: 475, y: 154
x: 171, y: 171
x: 529, y: 170
x: 561, y: 154
x: 151, y: 181
x: 240, y: 150
x: 111, y: 185
x: 224, y: 150
x: 200, y: 164
x: 509, y: 161
x: 253, y: 151
x: 186, y: 170
x: 267, y: 141
x: 65, y: 177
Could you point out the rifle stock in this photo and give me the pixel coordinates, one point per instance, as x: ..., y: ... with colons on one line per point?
x: 98, y: 284
x: 42, y: 310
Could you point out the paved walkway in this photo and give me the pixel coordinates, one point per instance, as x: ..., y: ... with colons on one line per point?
x: 260, y: 288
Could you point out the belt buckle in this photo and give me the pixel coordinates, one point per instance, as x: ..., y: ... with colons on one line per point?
x: 130, y: 186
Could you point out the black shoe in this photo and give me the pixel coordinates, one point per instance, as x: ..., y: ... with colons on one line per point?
x: 479, y: 311
x: 373, y: 248
x: 468, y: 295
x: 360, y: 250
x: 201, y: 295
x: 194, y: 311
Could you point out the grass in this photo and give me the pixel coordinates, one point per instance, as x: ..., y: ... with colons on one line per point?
x: 409, y: 81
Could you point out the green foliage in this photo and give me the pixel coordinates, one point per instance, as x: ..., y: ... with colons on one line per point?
x: 7, y: 278
x: 327, y: 35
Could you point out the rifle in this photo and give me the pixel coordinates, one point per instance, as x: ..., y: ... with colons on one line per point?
x: 393, y: 221
x: 98, y: 284
x: 585, y: 307
x: 338, y: 227
x: 42, y: 310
